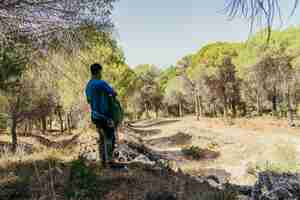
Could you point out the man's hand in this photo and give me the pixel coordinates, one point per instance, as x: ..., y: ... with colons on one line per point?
x: 110, y: 123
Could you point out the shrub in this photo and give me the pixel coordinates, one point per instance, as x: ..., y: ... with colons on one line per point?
x: 193, y: 151
x: 83, y: 181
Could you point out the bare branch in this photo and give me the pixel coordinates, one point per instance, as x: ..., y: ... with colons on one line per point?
x: 43, y: 20
x: 252, y: 10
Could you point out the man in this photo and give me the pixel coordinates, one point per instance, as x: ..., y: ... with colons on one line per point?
x: 98, y: 94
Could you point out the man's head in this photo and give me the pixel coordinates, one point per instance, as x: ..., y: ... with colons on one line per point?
x: 96, y: 70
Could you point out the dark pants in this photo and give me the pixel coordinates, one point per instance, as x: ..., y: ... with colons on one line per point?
x: 106, y: 142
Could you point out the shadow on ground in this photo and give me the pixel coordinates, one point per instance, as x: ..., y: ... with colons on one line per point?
x: 155, y: 123
x: 145, y: 133
x: 178, y: 139
x: 54, y: 179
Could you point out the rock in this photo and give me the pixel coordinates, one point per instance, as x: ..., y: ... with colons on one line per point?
x: 271, y: 185
x: 143, y: 159
x: 90, y: 156
x: 123, y: 153
x: 243, y: 197
x: 200, y: 179
x: 214, y: 178
x: 213, y: 183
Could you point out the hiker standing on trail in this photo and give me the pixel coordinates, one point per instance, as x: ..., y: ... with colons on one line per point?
x: 106, y: 112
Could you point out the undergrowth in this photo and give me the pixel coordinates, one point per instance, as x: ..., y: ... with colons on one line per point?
x: 229, y: 193
x: 83, y: 181
x: 193, y: 151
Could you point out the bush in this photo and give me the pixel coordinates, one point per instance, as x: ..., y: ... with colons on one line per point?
x: 83, y: 181
x: 193, y: 151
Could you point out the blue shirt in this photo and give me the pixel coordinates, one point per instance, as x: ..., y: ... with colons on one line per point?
x: 97, y: 92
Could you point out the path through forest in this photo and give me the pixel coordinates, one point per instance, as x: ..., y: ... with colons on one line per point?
x: 243, y: 145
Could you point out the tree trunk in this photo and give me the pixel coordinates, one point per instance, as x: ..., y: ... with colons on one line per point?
x: 196, y: 106
x: 44, y: 124
x: 258, y: 104
x: 50, y: 122
x: 61, y: 122
x: 234, y: 112
x: 274, y: 101
x: 68, y: 122
x: 200, y: 108
x: 225, y: 106
x: 147, y: 111
x: 39, y: 124
x: 290, y: 114
x: 180, y: 109
x: 167, y: 110
x: 244, y: 109
x: 14, y: 135
x: 225, y: 112
x: 214, y: 111
x: 26, y: 127
x: 30, y: 126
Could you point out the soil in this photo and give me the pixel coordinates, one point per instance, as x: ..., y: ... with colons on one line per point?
x: 175, y: 140
x: 244, y: 143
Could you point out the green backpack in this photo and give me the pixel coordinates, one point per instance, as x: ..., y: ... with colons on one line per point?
x: 116, y: 110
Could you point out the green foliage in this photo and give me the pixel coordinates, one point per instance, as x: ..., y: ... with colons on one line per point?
x: 147, y: 94
x: 146, y: 71
x: 262, y: 75
x: 67, y: 73
x: 165, y: 76
x: 178, y: 91
x: 287, y: 40
x: 103, y: 49
x: 213, y: 55
x: 193, y: 151
x: 13, y: 61
x: 83, y: 181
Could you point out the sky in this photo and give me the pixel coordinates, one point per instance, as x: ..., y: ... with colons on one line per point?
x: 160, y: 32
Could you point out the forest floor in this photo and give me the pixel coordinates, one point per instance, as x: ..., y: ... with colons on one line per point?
x: 48, y: 167
x: 51, y: 169
x: 245, y: 146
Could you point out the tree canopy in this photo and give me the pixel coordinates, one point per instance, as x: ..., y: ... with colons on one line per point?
x: 44, y: 20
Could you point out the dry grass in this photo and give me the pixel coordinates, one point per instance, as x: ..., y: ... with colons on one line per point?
x: 9, y: 160
x: 262, y: 123
x: 40, y: 152
x: 240, y: 141
x: 284, y: 159
x: 259, y: 124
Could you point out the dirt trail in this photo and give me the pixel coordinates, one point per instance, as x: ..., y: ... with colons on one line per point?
x: 240, y: 148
